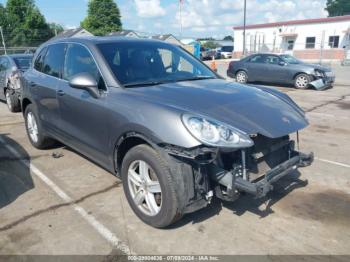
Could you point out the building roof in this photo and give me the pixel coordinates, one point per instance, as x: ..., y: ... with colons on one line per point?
x: 68, y: 33
x: 123, y: 33
x: 163, y: 37
x: 297, y: 22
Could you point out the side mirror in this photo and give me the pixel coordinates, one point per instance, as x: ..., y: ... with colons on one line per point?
x: 85, y: 81
x: 282, y: 63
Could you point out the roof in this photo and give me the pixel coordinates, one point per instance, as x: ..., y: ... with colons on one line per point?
x: 68, y: 33
x: 123, y: 33
x: 102, y: 39
x: 297, y: 22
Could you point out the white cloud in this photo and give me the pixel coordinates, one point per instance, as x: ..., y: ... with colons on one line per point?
x: 201, y: 18
x: 149, y: 8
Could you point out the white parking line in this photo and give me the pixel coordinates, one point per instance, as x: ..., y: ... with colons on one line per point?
x: 332, y: 162
x: 100, y: 228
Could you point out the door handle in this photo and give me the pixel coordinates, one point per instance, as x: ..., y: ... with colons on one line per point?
x: 61, y: 93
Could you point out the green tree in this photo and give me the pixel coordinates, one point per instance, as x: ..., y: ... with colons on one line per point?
x: 56, y: 28
x: 210, y: 45
x: 338, y: 7
x: 26, y: 25
x: 228, y: 38
x: 103, y: 17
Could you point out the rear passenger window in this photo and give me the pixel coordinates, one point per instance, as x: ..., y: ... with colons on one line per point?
x: 39, y: 61
x: 257, y: 59
x: 54, y: 59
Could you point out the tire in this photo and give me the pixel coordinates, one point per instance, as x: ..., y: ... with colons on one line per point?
x: 302, y: 81
x: 166, y: 209
x: 12, y: 102
x: 241, y: 77
x: 35, y: 131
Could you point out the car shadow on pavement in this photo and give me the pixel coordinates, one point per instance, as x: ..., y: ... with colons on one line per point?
x: 15, y: 177
x: 262, y: 207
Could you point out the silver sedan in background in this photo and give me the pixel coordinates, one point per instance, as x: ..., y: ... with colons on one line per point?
x: 283, y: 69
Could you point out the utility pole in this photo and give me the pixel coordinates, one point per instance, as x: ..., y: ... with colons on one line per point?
x: 3, y: 40
x: 244, y: 25
x: 322, y: 46
x: 180, y: 3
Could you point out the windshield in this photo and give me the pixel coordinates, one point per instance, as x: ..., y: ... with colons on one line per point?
x: 23, y: 62
x: 150, y: 63
x: 227, y: 49
x: 290, y: 59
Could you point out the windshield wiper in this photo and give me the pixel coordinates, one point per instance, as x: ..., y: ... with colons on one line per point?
x: 139, y: 84
x: 196, y: 78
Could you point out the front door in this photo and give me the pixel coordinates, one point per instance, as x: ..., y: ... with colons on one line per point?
x: 83, y: 117
x: 278, y: 71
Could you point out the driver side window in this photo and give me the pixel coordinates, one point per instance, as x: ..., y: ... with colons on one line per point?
x: 79, y: 60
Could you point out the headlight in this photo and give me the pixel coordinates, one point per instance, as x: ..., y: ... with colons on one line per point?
x: 214, y: 133
x: 319, y: 73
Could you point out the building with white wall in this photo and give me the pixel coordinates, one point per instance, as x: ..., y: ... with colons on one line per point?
x: 322, y: 38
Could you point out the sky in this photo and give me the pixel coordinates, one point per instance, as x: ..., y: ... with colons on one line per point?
x: 200, y: 18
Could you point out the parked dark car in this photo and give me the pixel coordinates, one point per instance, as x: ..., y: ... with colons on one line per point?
x: 11, y: 70
x: 283, y: 69
x: 172, y: 130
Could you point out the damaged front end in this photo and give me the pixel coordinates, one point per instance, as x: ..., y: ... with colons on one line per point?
x: 323, y: 80
x: 227, y: 172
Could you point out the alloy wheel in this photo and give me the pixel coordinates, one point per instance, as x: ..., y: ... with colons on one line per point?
x: 302, y: 81
x: 144, y: 188
x: 241, y: 77
x: 32, y: 127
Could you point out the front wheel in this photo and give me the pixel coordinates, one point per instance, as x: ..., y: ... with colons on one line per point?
x: 241, y: 77
x: 302, y: 81
x: 149, y: 187
x: 12, y: 102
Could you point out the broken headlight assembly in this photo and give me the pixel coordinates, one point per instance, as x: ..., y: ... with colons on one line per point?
x: 319, y: 73
x: 214, y: 133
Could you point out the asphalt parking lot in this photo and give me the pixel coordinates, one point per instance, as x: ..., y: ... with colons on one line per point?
x: 58, y: 202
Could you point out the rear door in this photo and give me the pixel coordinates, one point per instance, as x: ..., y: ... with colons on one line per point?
x: 257, y: 70
x: 44, y: 82
x: 83, y: 118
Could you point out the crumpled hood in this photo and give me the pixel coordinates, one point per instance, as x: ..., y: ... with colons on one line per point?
x: 249, y: 109
x: 318, y: 67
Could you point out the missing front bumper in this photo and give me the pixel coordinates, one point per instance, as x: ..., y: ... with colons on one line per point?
x: 264, y: 184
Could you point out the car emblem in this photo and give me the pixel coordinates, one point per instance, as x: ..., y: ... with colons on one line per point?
x: 286, y: 120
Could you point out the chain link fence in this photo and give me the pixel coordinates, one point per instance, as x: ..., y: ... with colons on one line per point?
x: 17, y: 50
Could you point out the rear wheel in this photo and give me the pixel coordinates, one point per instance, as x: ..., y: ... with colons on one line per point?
x: 12, y: 102
x: 302, y: 81
x: 241, y: 77
x: 149, y: 187
x: 34, y: 129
